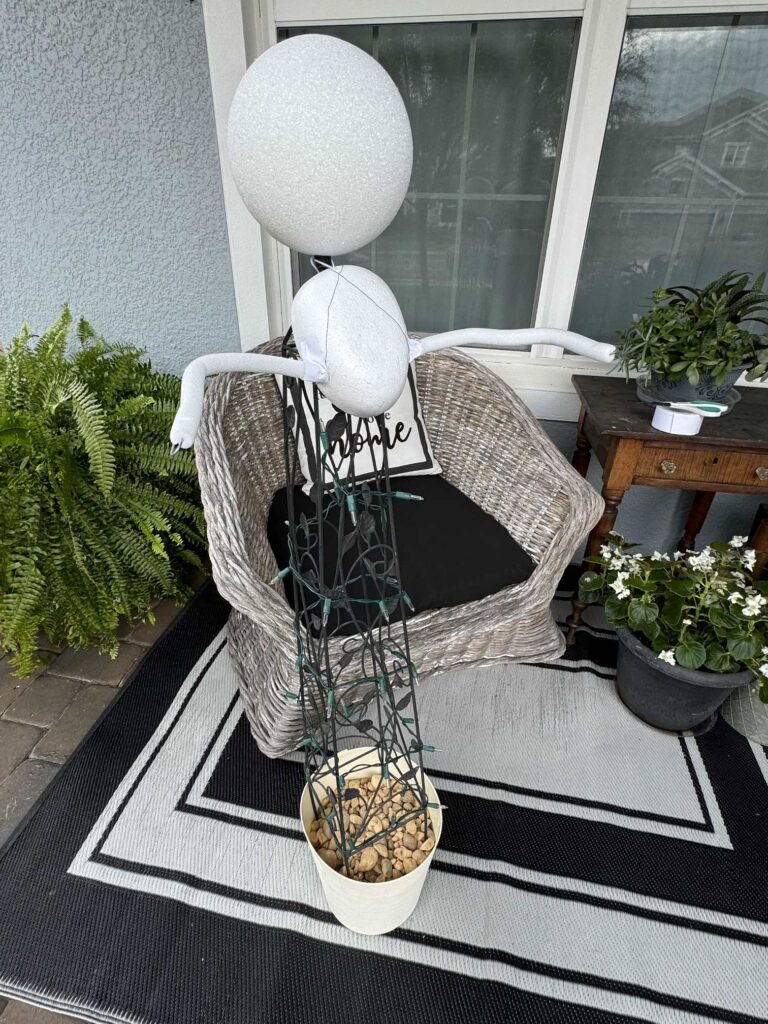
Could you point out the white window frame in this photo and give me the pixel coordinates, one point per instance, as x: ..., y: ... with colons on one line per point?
x: 737, y: 151
x: 237, y: 31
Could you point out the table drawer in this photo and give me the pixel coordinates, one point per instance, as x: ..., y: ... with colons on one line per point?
x: 748, y: 469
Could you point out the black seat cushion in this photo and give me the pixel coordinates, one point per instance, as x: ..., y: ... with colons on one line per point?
x: 451, y: 551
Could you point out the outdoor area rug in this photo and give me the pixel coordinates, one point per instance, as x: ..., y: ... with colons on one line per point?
x: 591, y: 869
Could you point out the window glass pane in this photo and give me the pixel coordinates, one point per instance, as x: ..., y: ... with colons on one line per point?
x: 486, y: 104
x: 682, y: 190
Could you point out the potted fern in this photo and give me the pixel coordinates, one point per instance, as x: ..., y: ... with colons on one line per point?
x: 694, y: 343
x: 97, y: 519
x: 691, y: 627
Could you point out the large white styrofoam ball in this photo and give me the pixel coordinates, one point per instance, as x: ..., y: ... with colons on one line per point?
x: 320, y: 145
x: 349, y: 318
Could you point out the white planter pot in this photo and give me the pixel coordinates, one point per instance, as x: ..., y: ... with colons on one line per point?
x: 370, y: 907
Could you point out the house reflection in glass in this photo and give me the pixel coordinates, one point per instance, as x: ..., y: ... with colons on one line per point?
x: 682, y: 191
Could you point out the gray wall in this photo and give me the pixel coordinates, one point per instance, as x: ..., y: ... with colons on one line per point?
x: 653, y: 516
x: 110, y: 193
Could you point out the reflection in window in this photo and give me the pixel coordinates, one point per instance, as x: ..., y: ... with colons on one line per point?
x: 682, y: 192
x: 735, y: 154
x: 486, y: 105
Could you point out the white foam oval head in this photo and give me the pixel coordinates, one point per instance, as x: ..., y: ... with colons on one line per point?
x: 320, y: 144
x: 351, y: 318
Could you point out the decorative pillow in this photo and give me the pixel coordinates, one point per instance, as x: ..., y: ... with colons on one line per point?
x: 409, y: 451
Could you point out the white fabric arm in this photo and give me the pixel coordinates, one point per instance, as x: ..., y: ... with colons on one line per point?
x: 522, y: 338
x: 184, y: 429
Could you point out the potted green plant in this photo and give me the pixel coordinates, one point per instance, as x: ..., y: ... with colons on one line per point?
x: 691, y: 628
x: 693, y: 344
x: 97, y: 518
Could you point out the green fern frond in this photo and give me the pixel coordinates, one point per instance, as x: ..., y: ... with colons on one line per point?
x: 52, y: 345
x: 130, y: 408
x: 85, y: 333
x: 97, y: 518
x: 151, y: 459
x: 92, y: 424
x: 26, y: 592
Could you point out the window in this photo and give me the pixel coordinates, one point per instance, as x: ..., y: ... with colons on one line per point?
x: 676, y: 201
x: 486, y: 102
x: 734, y: 154
x: 570, y: 157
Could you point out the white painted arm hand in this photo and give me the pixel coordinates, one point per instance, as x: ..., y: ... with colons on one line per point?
x: 187, y: 421
x: 522, y: 338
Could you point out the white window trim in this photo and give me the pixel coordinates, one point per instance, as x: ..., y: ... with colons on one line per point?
x: 225, y: 40
x: 361, y: 12
x: 597, y: 59
x: 237, y: 31
x: 738, y: 150
x: 288, y: 13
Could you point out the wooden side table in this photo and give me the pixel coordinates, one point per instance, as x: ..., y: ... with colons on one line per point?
x: 730, y: 454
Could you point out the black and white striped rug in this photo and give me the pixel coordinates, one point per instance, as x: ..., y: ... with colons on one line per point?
x: 591, y: 869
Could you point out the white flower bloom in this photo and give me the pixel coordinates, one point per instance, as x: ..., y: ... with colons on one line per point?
x: 702, y: 560
x: 678, y: 555
x: 764, y: 651
x: 737, y: 542
x: 668, y: 656
x: 763, y: 669
x: 752, y: 605
x: 618, y: 585
x: 749, y: 558
x: 606, y: 551
x: 735, y: 597
x: 660, y: 557
x: 687, y: 622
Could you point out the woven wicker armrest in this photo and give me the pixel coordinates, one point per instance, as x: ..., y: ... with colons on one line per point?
x: 493, y: 449
x: 239, y: 452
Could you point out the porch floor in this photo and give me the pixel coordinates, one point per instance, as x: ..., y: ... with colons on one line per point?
x: 43, y: 719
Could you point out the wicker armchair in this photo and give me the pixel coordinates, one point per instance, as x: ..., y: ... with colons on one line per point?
x: 489, y: 446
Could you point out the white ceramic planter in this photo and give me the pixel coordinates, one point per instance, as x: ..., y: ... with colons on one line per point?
x: 371, y: 907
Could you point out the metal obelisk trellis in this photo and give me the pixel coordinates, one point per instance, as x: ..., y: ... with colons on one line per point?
x: 365, y: 696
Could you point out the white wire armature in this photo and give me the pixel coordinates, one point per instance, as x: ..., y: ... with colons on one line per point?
x: 187, y: 421
x: 312, y: 365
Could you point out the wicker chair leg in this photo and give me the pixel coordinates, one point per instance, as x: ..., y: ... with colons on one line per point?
x: 265, y: 673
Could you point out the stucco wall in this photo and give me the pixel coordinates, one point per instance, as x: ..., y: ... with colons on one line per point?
x: 110, y: 193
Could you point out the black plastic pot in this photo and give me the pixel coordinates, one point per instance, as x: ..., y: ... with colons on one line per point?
x: 653, y: 389
x: 669, y: 696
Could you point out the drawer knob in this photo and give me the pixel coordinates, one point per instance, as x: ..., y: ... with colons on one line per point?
x: 762, y: 472
x: 668, y: 466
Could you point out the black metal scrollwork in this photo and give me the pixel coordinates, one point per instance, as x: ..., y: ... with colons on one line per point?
x: 345, y: 575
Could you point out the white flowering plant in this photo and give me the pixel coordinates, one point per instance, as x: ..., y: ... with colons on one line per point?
x: 696, y: 609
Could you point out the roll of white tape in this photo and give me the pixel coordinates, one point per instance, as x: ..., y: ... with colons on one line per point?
x: 672, y: 421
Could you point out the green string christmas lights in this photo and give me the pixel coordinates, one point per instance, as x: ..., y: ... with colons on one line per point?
x: 344, y: 572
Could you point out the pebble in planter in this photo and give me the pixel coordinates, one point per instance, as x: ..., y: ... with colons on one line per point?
x: 391, y: 852
x: 692, y: 627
